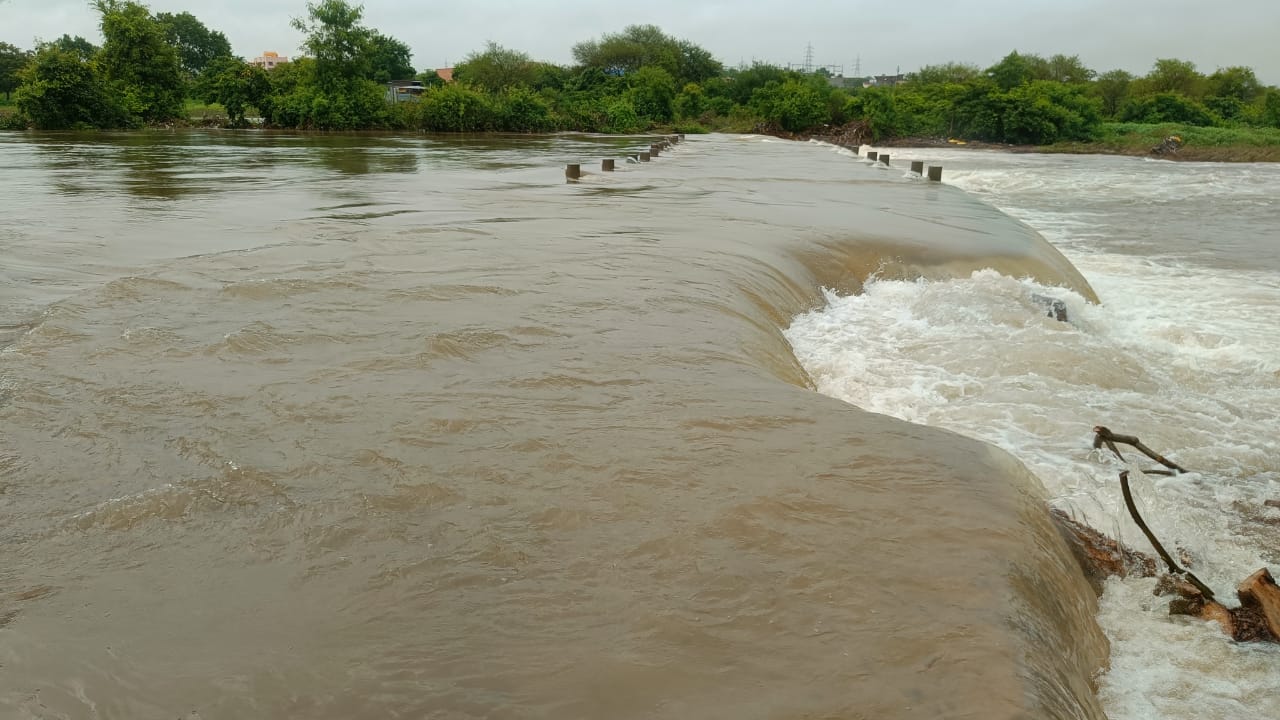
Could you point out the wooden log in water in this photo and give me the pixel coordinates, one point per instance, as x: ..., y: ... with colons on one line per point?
x: 1256, y: 620
x: 1260, y: 596
x: 1099, y: 556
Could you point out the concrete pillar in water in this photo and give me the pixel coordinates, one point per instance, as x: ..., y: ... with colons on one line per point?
x: 681, y: 136
x: 884, y: 159
x: 935, y: 173
x: 644, y: 157
x: 635, y: 156
x: 606, y: 164
x: 654, y: 151
x: 872, y: 155
x: 573, y: 171
x: 917, y: 167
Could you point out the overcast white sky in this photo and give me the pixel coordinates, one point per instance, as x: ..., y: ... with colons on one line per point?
x: 885, y: 34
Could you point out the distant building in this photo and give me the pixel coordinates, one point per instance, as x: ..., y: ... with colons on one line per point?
x: 446, y: 74
x: 884, y: 80
x: 270, y: 60
x: 840, y: 81
x: 402, y: 90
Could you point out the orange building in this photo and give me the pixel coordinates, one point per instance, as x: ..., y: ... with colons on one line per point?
x: 270, y: 59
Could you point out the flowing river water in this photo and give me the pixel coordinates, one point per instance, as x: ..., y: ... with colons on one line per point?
x: 357, y: 427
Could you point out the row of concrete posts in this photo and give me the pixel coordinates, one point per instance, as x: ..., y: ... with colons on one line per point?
x: 917, y: 166
x: 573, y: 171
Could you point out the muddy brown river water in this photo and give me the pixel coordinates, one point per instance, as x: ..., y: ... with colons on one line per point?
x: 370, y: 427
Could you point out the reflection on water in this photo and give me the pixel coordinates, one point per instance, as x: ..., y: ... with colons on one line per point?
x: 334, y: 427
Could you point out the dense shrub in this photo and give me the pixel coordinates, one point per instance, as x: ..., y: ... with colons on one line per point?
x: 793, y: 105
x: 1168, y: 107
x: 522, y: 110
x: 691, y: 102
x: 620, y: 116
x: 61, y: 90
x: 1044, y: 112
x: 456, y: 108
x: 652, y: 92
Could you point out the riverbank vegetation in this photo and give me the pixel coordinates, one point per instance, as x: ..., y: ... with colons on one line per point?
x: 155, y: 69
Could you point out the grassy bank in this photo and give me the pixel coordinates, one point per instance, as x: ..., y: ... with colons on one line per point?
x: 203, y: 113
x: 1199, y: 143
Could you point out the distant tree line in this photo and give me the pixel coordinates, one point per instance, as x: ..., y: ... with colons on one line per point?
x: 1026, y: 98
x: 150, y: 65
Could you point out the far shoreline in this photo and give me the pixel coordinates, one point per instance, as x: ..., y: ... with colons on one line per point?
x: 1189, y: 152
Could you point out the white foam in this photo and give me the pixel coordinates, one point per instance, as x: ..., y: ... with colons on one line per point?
x: 1186, y: 357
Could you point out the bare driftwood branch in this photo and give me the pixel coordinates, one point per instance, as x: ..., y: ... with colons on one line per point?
x: 1257, y: 618
x: 1104, y: 435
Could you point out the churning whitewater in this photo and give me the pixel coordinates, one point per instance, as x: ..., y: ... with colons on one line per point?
x: 1183, y: 351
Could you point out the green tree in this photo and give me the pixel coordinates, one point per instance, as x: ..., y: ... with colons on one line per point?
x: 520, y: 109
x: 196, y: 44
x: 137, y: 60
x: 1043, y: 112
x: 980, y: 110
x: 640, y: 46
x: 938, y: 107
x: 389, y: 59
x: 1068, y: 69
x: 338, y: 41
x: 946, y: 73
x: 12, y: 60
x: 1268, y: 108
x: 1017, y: 69
x: 877, y: 107
x: 745, y: 82
x: 652, y: 92
x: 1112, y: 89
x: 635, y: 47
x: 793, y: 105
x: 456, y: 108
x: 496, y: 68
x: 695, y: 64
x: 334, y: 91
x: 1235, y: 82
x: 293, y: 91
x: 1168, y: 107
x: 620, y: 117
x: 78, y: 45
x: 691, y: 103
x: 549, y: 76
x: 235, y: 84
x: 61, y: 90
x: 1175, y: 76
x: 429, y: 78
